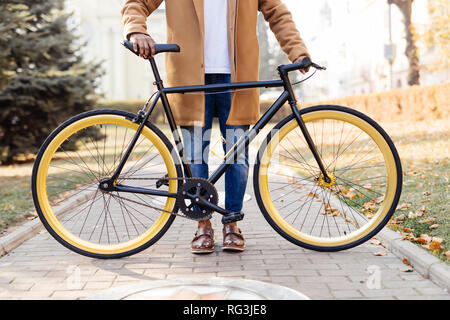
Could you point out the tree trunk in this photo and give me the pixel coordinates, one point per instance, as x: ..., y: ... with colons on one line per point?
x: 411, y: 51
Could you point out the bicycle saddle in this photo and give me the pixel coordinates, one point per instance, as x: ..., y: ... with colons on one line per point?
x: 159, y: 48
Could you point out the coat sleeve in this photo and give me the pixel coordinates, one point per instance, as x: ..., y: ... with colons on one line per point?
x: 135, y: 14
x: 283, y: 26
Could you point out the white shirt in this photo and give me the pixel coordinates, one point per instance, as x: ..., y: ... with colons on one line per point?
x: 217, y: 54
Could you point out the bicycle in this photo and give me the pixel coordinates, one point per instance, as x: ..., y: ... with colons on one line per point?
x: 326, y: 178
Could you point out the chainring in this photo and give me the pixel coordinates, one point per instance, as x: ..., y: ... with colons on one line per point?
x: 191, y: 190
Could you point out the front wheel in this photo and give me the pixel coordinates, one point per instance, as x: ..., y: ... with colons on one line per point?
x: 353, y: 205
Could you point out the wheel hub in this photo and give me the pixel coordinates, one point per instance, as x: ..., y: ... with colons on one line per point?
x: 327, y: 183
x: 106, y: 185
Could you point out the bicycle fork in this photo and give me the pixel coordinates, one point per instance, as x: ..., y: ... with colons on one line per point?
x: 293, y: 104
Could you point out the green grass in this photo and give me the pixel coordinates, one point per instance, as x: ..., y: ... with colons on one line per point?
x: 424, y: 150
x: 15, y: 199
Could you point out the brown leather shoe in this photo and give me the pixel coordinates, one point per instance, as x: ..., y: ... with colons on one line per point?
x: 203, y: 241
x: 232, y: 238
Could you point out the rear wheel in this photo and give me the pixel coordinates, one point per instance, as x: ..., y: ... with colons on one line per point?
x: 363, y: 166
x: 70, y: 167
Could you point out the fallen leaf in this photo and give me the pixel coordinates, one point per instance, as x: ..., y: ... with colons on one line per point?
x: 369, y: 206
x: 427, y: 193
x: 435, y: 246
x: 447, y: 254
x: 379, y: 200
x: 421, y: 212
x: 409, y: 236
x: 375, y: 242
x: 424, y: 238
x: 406, y: 269
x: 404, y: 206
x: 380, y: 254
x: 405, y: 261
x: 412, y: 215
x: 429, y: 220
x: 408, y: 230
x: 434, y: 226
x: 394, y: 226
x: 437, y: 239
x: 351, y: 195
x: 401, y: 217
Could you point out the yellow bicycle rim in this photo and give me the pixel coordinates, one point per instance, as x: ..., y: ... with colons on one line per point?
x: 364, y: 230
x: 52, y: 219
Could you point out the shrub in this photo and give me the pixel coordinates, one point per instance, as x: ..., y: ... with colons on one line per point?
x: 414, y: 103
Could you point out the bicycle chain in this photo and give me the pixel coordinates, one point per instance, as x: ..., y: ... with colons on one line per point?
x: 159, y: 209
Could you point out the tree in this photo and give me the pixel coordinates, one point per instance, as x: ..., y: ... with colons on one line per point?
x: 43, y: 78
x: 271, y: 54
x: 411, y: 51
x: 437, y: 34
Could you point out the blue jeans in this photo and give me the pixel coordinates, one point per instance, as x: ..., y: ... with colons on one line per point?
x: 197, y: 141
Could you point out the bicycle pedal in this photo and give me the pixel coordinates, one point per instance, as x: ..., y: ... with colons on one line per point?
x: 232, y: 217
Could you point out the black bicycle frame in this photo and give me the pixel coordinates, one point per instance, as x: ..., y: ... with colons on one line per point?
x: 287, y: 96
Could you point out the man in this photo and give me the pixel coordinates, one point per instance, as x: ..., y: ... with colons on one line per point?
x: 219, y: 44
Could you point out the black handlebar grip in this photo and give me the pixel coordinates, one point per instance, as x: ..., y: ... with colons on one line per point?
x: 158, y: 47
x: 127, y: 44
x: 304, y: 64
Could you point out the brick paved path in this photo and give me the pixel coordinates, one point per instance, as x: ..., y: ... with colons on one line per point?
x: 42, y: 269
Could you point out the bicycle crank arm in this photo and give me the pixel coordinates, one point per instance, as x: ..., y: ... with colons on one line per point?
x: 228, y: 217
x: 206, y: 204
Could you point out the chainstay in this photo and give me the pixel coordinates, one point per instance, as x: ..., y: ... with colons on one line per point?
x: 155, y: 208
x: 158, y: 209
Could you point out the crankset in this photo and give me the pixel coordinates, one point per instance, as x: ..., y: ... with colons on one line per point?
x: 192, y: 194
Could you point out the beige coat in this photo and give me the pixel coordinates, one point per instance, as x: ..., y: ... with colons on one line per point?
x: 185, y: 27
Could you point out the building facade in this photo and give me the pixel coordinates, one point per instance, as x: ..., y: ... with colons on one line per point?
x: 348, y: 36
x: 100, y: 26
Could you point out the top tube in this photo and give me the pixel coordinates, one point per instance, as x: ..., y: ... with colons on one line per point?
x: 225, y: 86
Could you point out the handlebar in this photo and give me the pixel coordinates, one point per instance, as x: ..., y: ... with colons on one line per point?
x: 304, y: 64
x: 159, y: 48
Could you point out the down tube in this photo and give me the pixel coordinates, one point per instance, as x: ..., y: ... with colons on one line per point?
x: 240, y: 146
